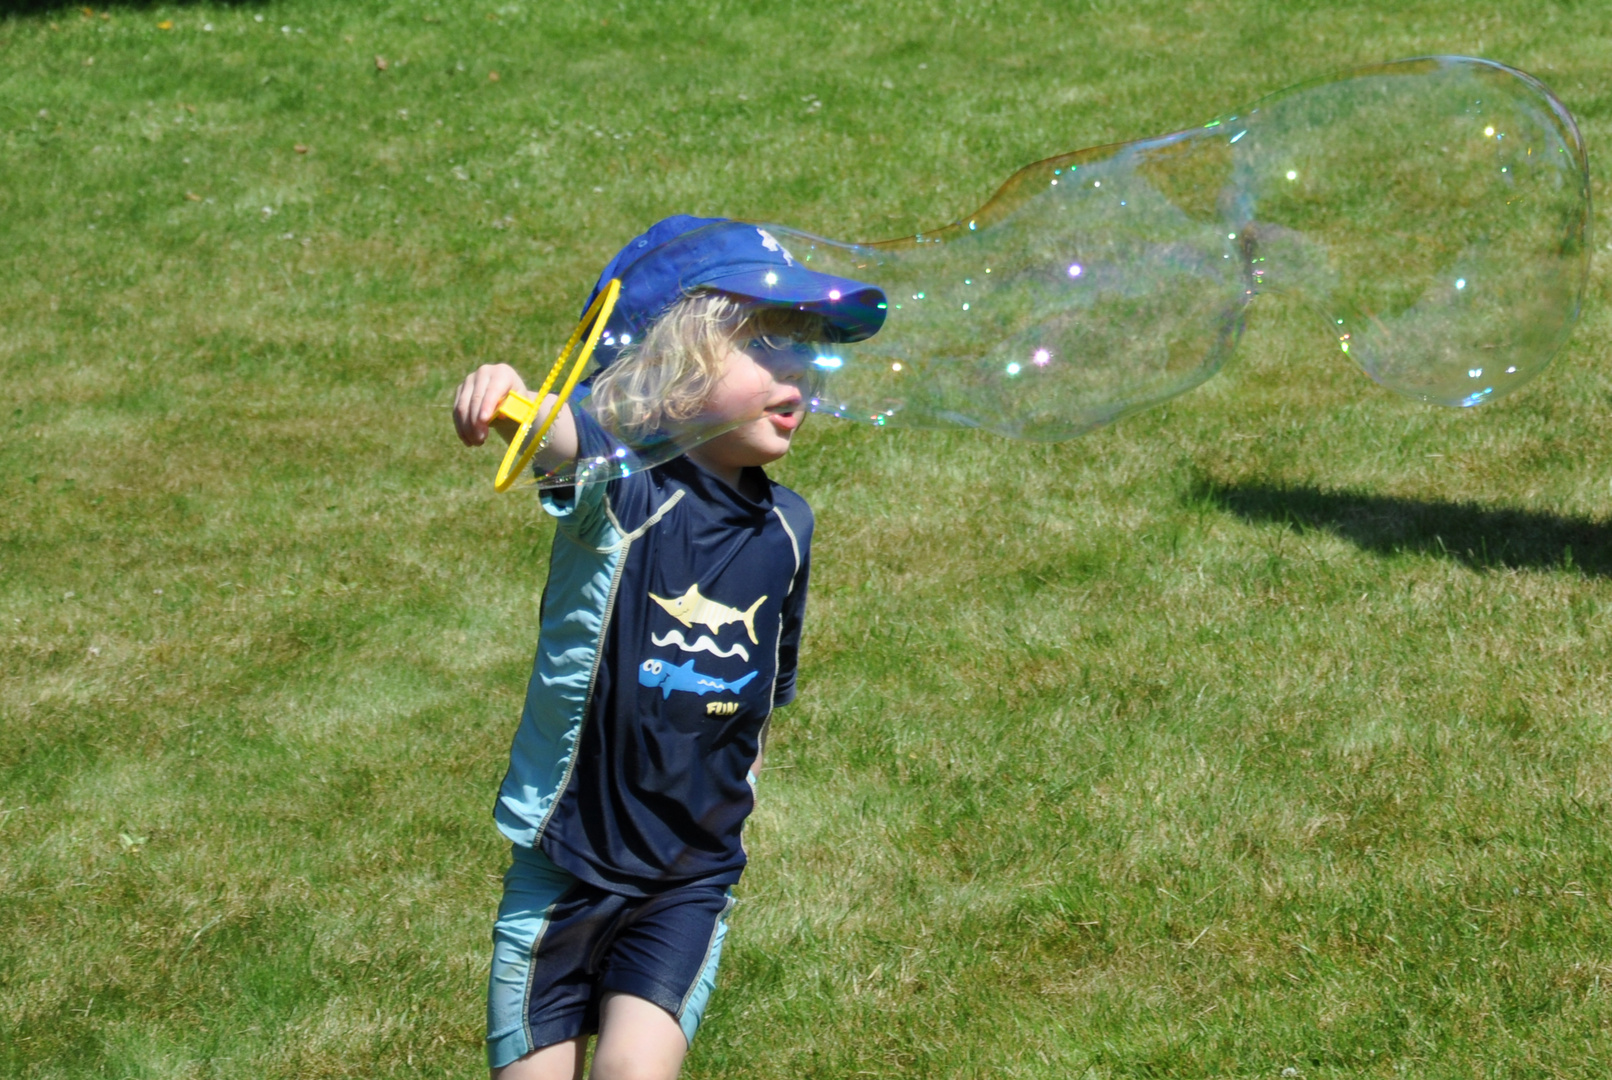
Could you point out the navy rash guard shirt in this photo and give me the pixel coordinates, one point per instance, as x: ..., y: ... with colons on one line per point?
x: 670, y: 629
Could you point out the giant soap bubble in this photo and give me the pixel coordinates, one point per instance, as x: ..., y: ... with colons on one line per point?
x: 1434, y: 212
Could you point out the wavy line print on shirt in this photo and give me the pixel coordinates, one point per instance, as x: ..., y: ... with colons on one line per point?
x: 701, y: 644
x: 671, y: 677
x: 691, y: 608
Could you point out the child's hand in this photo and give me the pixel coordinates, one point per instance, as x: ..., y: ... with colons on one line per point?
x: 478, y: 398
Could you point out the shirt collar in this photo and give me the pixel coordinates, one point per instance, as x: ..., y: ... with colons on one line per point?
x: 713, y: 489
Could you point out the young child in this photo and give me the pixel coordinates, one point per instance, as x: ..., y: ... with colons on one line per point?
x: 670, y: 624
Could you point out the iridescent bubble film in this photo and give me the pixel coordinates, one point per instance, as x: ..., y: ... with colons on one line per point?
x: 1433, y: 212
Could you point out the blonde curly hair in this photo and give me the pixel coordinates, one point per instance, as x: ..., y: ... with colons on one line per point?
x: 665, y: 377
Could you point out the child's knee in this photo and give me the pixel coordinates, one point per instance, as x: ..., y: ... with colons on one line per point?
x: 638, y: 1040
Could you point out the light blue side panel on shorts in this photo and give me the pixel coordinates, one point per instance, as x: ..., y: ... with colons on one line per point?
x: 693, y: 1010
x: 532, y: 884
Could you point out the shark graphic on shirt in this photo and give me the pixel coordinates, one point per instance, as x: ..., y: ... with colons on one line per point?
x: 691, y: 609
x: 682, y: 676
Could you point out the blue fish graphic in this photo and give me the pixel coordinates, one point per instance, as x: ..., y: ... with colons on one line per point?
x: 671, y: 677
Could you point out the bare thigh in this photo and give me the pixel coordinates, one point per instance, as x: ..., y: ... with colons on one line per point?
x: 638, y: 1040
x: 561, y: 1061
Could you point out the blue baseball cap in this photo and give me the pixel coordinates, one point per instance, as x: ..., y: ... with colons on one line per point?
x: 681, y: 254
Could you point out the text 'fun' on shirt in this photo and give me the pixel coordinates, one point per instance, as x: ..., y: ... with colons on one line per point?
x: 670, y: 629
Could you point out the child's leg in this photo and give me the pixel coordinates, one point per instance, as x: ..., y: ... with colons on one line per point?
x: 562, y: 1061
x: 656, y: 980
x: 541, y: 1004
x: 638, y: 1040
x: 569, y: 959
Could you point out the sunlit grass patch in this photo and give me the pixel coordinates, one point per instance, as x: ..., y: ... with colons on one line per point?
x: 1263, y: 731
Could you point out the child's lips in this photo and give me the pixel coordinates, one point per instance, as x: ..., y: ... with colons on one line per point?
x: 787, y: 412
x: 786, y: 421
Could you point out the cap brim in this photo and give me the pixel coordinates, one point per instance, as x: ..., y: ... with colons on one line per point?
x: 853, y: 310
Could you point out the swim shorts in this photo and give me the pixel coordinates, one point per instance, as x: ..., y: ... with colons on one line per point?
x: 561, y: 944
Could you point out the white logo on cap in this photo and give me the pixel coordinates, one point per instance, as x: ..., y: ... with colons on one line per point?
x: 771, y: 244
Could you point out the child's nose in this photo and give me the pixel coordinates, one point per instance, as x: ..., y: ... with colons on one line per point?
x: 793, y: 365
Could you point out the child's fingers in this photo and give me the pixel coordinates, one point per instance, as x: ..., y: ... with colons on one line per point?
x: 459, y: 410
x: 464, y: 412
x: 502, y: 380
x: 478, y: 398
x: 469, y: 408
x: 484, y: 402
x: 493, y: 386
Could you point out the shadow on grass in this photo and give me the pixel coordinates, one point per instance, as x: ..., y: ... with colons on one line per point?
x: 1482, y: 537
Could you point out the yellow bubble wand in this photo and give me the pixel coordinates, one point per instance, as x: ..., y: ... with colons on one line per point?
x: 524, y: 409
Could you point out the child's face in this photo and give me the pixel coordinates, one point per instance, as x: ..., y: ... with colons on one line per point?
x: 762, y: 387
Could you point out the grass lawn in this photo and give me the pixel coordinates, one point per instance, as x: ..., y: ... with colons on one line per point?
x: 1264, y: 734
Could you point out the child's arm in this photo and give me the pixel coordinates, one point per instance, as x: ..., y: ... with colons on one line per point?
x: 478, y: 398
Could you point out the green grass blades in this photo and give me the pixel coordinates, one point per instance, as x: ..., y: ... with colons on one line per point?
x: 1261, y: 735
